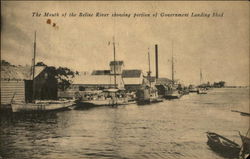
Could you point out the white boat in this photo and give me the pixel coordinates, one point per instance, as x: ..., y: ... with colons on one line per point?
x: 201, y: 91
x: 49, y: 105
x: 173, y: 94
x: 109, y: 97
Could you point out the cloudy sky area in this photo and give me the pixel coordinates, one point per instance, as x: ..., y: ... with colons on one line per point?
x: 220, y: 46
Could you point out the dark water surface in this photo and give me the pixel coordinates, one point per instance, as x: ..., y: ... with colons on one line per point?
x: 172, y: 129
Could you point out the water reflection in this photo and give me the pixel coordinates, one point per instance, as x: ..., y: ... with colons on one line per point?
x: 172, y: 129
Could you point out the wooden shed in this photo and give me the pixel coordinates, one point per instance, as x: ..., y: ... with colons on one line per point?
x: 16, y: 84
x: 12, y: 89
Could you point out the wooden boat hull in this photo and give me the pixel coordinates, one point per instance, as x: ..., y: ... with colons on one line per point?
x: 201, y: 92
x: 193, y: 91
x: 41, y: 106
x: 148, y: 101
x: 172, y: 96
x: 245, y: 145
x: 223, y: 146
x: 105, y: 102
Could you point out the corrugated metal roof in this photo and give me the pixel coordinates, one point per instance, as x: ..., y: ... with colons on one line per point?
x: 131, y: 73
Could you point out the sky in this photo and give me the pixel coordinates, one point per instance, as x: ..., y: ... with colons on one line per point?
x: 219, y: 46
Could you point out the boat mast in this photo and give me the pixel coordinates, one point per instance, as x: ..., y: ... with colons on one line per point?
x: 200, y: 76
x: 114, y: 62
x: 172, y: 62
x: 149, y: 69
x: 33, y: 71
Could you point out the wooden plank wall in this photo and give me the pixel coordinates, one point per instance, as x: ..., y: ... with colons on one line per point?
x: 8, y: 88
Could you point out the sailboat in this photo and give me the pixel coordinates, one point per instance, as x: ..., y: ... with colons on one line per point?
x: 39, y: 105
x: 148, y: 94
x: 173, y: 93
x: 107, y: 97
x: 201, y: 90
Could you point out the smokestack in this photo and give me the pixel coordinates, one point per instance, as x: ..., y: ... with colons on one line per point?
x: 156, y: 61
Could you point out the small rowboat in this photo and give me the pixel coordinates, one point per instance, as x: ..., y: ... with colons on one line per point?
x: 223, y: 146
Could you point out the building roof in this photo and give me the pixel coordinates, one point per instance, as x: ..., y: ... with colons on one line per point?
x: 19, y: 72
x: 101, y: 72
x: 116, y: 63
x: 38, y: 70
x: 131, y: 73
x: 97, y: 80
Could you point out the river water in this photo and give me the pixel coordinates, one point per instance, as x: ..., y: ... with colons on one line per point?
x: 172, y: 129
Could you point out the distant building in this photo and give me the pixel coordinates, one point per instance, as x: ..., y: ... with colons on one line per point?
x: 130, y: 80
x: 83, y: 83
x: 133, y: 79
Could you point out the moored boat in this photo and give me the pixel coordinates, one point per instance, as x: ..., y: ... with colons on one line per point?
x: 108, y: 97
x: 112, y: 96
x: 38, y: 106
x: 201, y: 88
x: 148, y: 93
x: 245, y: 146
x: 223, y: 146
x: 173, y: 94
x: 192, y: 89
x: 201, y: 91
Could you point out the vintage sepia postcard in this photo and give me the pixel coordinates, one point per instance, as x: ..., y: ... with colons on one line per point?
x: 124, y: 80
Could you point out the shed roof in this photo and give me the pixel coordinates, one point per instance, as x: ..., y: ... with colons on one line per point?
x: 131, y: 73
